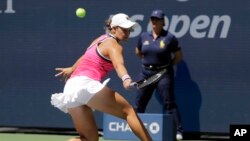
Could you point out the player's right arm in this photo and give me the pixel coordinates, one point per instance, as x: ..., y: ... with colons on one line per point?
x: 114, y: 51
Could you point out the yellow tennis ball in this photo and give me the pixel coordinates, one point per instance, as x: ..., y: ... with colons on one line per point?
x: 80, y: 12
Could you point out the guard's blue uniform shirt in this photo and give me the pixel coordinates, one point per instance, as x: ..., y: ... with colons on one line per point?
x: 157, y: 51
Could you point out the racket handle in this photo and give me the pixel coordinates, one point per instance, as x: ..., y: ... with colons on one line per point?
x: 133, y: 85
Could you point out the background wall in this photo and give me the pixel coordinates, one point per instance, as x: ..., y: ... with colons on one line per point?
x: 212, y: 82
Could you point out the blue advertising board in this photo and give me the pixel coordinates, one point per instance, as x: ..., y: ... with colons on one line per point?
x: 160, y: 127
x: 211, y: 83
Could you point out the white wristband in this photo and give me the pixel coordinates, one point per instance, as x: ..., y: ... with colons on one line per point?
x: 125, y: 77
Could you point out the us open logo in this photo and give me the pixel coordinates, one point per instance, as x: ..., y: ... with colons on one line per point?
x: 9, y: 7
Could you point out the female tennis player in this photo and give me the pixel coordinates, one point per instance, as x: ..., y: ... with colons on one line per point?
x: 84, y: 91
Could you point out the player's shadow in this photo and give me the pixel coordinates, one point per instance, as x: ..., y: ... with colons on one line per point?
x: 188, y: 97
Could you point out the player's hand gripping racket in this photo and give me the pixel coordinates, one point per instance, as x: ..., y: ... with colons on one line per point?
x: 148, y: 81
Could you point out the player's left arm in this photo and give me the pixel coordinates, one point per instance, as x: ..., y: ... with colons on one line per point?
x: 66, y: 72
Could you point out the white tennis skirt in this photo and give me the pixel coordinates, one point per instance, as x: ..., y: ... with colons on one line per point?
x: 77, y: 91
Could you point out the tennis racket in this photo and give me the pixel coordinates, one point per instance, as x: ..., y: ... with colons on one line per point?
x: 148, y: 81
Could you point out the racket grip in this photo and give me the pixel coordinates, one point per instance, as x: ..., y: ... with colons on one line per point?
x: 133, y: 85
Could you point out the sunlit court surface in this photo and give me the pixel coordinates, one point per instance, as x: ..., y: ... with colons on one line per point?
x: 55, y: 134
x: 37, y: 137
x: 42, y: 137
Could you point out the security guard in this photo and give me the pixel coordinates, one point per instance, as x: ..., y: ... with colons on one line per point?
x: 159, y: 49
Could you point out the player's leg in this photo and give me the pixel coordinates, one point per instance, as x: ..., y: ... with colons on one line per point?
x: 113, y: 103
x: 84, y: 123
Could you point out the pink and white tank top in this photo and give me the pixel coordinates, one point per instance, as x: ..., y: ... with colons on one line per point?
x: 93, y: 64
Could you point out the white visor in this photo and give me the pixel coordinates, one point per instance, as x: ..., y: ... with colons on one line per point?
x: 121, y: 20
